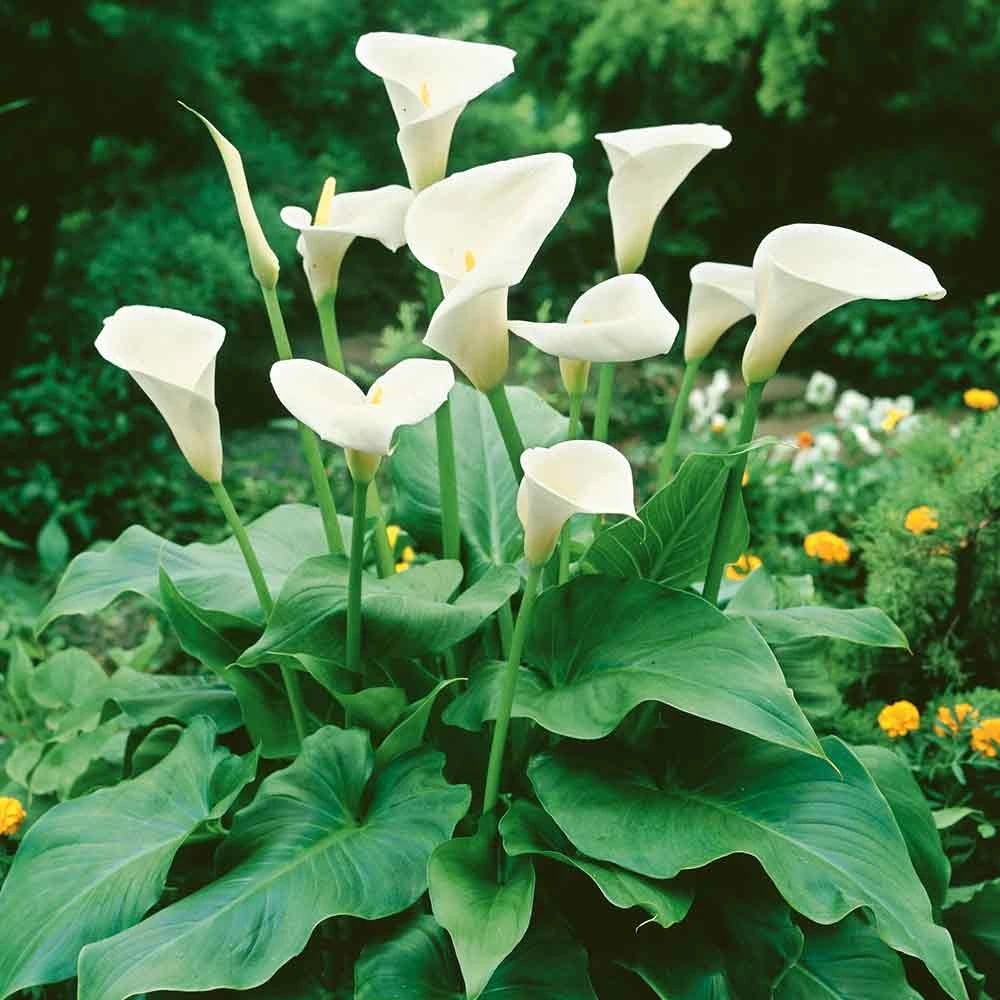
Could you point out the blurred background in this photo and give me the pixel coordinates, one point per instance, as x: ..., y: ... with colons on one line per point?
x: 880, y: 115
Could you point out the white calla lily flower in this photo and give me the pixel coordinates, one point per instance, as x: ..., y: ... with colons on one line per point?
x: 340, y: 412
x: 648, y: 165
x: 621, y: 319
x: 479, y: 230
x: 263, y: 260
x: 171, y: 355
x: 804, y: 271
x: 429, y: 81
x: 721, y: 295
x: 573, y: 477
x: 339, y: 220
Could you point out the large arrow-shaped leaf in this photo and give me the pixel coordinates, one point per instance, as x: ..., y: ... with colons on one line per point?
x: 828, y: 841
x: 600, y: 646
x: 323, y: 838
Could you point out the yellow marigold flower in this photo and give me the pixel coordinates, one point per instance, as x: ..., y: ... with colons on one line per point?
x: 980, y: 399
x: 827, y: 547
x: 743, y: 567
x: 408, y: 554
x: 804, y: 439
x: 899, y: 718
x: 892, y: 418
x: 746, y: 477
x: 985, y: 737
x: 921, y: 519
x: 952, y: 720
x: 12, y: 815
x: 402, y: 566
x: 392, y: 533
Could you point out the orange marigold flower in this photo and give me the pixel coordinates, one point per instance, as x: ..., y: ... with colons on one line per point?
x: 899, y: 718
x: 827, y: 547
x: 981, y: 399
x: 952, y: 720
x: 921, y: 519
x: 743, y: 567
x: 804, y: 439
x: 12, y: 815
x: 985, y: 738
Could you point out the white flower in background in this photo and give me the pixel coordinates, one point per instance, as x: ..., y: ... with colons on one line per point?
x: 886, y: 413
x: 574, y: 477
x: 721, y: 384
x: 621, y: 319
x: 822, y: 483
x: 827, y: 444
x: 263, y: 260
x: 806, y: 458
x: 647, y: 167
x: 721, y: 295
x: 908, y: 425
x: 700, y: 408
x: 820, y: 389
x: 343, y: 414
x: 479, y: 230
x: 718, y: 423
x: 852, y: 407
x: 865, y: 441
x: 429, y: 81
x: 340, y: 219
x: 802, y: 272
x: 171, y: 354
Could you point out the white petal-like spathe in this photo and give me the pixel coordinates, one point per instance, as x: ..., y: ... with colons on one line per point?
x: 339, y: 412
x: 429, y: 81
x: 803, y: 271
x: 479, y: 230
x: 263, y: 260
x: 648, y: 165
x: 574, y: 477
x: 621, y: 319
x: 721, y: 295
x: 376, y: 215
x: 171, y: 355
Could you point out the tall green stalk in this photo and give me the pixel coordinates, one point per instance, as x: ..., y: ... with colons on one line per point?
x: 326, y: 309
x: 385, y: 563
x: 494, y: 770
x: 566, y: 535
x: 497, y: 397
x: 290, y: 678
x: 310, y: 443
x: 677, y: 421
x: 358, y: 513
x: 605, y: 390
x: 451, y: 538
x: 731, y: 497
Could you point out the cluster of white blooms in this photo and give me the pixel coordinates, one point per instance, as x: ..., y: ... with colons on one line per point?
x: 852, y: 407
x: 706, y: 402
x: 821, y: 389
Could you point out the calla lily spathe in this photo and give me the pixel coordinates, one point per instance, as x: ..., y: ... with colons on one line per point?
x: 803, y: 271
x: 573, y: 477
x: 429, y: 81
x: 263, y: 260
x: 323, y: 241
x: 621, y: 319
x: 648, y: 165
x: 721, y: 295
x: 479, y: 230
x: 171, y: 355
x: 342, y: 413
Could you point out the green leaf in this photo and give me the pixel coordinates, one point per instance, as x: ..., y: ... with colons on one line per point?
x: 417, y: 964
x: 672, y: 540
x: 913, y: 814
x: 148, y: 698
x: 322, y: 838
x: 63, y: 763
x: 409, y: 731
x: 376, y: 709
x: 485, y: 917
x: 972, y: 914
x: 528, y: 829
x: 863, y: 626
x: 846, y: 962
x: 213, y: 577
x: 93, y: 866
x: 486, y: 486
x: 53, y: 546
x: 945, y: 819
x: 403, y: 616
x: 808, y: 675
x: 66, y: 679
x: 600, y: 646
x: 828, y: 840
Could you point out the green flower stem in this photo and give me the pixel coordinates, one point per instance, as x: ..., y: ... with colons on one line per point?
x: 508, y: 426
x: 676, y: 421
x: 505, y: 622
x: 326, y: 309
x: 310, y: 443
x: 493, y: 772
x: 292, y: 687
x: 730, y: 499
x: 605, y: 390
x: 451, y: 539
x: 358, y: 513
x: 565, y: 536
x: 384, y: 560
